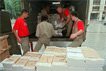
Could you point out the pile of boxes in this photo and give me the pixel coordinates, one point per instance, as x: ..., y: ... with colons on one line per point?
x: 53, y: 59
x: 56, y: 59
x: 4, y: 48
x: 22, y: 63
x: 84, y: 59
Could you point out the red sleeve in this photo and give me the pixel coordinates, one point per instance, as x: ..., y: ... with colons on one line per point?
x: 67, y: 12
x: 60, y: 16
x: 80, y: 25
x: 16, y: 25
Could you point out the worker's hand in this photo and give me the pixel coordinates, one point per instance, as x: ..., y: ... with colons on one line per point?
x: 73, y: 36
x: 19, y: 40
x: 64, y: 25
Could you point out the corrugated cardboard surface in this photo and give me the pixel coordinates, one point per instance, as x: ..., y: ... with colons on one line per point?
x: 59, y: 58
x: 60, y: 50
x: 21, y: 61
x: 46, y: 59
x: 31, y: 63
x: 13, y: 59
x: 52, y: 49
x: 90, y: 53
x: 55, y: 49
x: 33, y: 54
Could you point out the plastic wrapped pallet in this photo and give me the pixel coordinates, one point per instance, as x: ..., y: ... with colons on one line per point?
x: 76, y: 69
x: 74, y: 50
x: 18, y: 66
x: 34, y: 55
x: 75, y: 57
x: 30, y: 66
x: 93, y: 59
x: 59, y: 63
x: 93, y: 69
x: 45, y: 62
x: 75, y: 60
x: 7, y: 63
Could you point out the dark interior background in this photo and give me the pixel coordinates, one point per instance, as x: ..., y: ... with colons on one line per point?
x: 35, y: 6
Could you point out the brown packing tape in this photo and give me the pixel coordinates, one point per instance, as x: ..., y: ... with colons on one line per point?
x: 22, y: 61
x: 31, y: 63
x: 46, y: 59
x: 90, y: 53
x: 59, y: 58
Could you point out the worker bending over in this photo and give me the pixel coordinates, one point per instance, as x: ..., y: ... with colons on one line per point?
x: 44, y: 32
x: 77, y: 31
x: 45, y: 11
x: 21, y: 31
x: 65, y: 15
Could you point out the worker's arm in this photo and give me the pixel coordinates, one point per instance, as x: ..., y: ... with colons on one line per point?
x: 76, y: 34
x: 68, y: 19
x: 38, y: 31
x: 62, y: 19
x: 18, y: 38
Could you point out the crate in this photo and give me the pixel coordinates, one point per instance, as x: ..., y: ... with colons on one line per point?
x: 4, y: 53
x: 3, y: 42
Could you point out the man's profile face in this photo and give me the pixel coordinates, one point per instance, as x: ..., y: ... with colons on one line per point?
x: 59, y: 10
x: 25, y: 15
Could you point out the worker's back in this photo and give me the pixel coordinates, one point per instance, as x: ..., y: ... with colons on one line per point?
x: 45, y: 30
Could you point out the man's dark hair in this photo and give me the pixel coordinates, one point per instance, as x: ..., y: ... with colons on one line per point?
x: 44, y: 18
x: 74, y: 14
x: 24, y: 11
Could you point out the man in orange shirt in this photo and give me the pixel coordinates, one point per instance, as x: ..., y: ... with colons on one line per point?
x: 21, y: 31
x: 78, y: 34
x: 65, y: 15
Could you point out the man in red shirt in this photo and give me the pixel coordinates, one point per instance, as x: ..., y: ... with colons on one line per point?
x: 21, y: 31
x: 65, y: 16
x: 77, y: 31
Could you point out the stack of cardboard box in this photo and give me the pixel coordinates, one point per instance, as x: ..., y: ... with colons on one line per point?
x: 45, y: 62
x: 59, y: 63
x: 22, y: 63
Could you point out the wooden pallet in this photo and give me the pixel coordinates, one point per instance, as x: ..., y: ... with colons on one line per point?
x: 4, y: 53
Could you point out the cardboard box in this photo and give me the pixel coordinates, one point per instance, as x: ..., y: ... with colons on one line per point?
x: 7, y: 63
x: 55, y: 50
x: 45, y: 63
x: 31, y: 65
x: 59, y: 63
x: 34, y: 55
x: 18, y: 66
